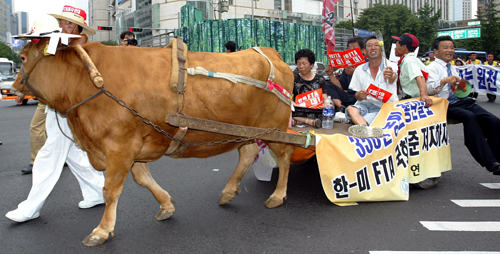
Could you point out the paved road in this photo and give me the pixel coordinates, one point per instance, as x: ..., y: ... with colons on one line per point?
x: 306, y: 223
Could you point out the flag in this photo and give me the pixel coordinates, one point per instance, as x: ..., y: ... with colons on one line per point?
x: 328, y: 26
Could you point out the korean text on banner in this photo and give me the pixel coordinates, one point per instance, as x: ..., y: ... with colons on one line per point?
x: 328, y: 26
x: 483, y: 78
x: 342, y: 59
x: 311, y: 99
x: 415, y: 146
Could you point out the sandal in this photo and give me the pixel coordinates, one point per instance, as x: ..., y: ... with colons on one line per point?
x: 316, y: 123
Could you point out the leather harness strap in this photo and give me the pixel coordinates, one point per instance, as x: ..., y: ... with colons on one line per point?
x: 25, y: 76
x: 182, y: 64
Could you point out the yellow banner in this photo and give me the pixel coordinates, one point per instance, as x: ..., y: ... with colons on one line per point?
x: 415, y: 146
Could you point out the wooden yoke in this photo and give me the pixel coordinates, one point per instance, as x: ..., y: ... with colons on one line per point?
x: 94, y: 74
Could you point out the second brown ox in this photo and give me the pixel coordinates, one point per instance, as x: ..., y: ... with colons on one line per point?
x: 119, y: 142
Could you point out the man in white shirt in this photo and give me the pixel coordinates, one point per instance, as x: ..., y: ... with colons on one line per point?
x: 372, y: 90
x: 481, y: 134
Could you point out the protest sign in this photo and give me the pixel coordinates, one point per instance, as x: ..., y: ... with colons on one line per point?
x: 483, y: 78
x: 415, y: 146
x: 379, y: 93
x: 311, y: 99
x: 342, y: 59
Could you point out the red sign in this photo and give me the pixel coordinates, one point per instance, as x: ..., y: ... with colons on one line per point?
x: 379, y: 93
x: 342, y: 59
x: 311, y: 99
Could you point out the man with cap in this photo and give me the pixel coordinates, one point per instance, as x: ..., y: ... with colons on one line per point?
x: 431, y: 59
x: 411, y: 71
x: 59, y: 148
x: 481, y: 134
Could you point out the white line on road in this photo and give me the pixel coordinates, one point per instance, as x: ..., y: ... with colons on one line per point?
x: 480, y: 226
x: 477, y: 202
x: 432, y: 252
x: 491, y: 185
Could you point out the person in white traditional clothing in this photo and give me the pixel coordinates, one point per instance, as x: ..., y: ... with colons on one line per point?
x: 58, y: 148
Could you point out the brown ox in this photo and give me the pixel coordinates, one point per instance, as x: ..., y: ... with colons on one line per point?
x: 119, y: 142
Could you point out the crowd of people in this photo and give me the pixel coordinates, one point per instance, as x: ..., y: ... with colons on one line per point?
x: 409, y: 78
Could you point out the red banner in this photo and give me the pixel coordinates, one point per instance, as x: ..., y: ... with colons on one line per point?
x: 342, y: 59
x: 311, y: 99
x: 379, y: 93
x: 328, y: 26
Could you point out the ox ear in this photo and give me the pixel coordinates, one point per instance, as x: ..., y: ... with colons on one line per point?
x: 74, y: 41
x: 79, y: 41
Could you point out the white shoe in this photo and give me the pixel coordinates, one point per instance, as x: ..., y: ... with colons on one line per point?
x: 88, y: 204
x: 16, y: 216
x: 341, y: 118
x: 363, y: 131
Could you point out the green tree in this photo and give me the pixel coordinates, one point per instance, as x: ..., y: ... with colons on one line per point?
x: 428, y: 22
x: 490, y: 28
x: 390, y: 20
x: 395, y: 20
x: 6, y: 52
x: 470, y: 44
x: 109, y: 43
x: 344, y: 24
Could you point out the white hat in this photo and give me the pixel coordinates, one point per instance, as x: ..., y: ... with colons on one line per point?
x: 77, y: 16
x: 42, y: 27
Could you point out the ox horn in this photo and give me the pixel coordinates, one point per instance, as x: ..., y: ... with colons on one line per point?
x: 94, y: 74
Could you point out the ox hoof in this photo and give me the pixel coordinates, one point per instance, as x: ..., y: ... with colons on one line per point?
x: 273, y: 203
x: 95, y: 240
x: 225, y: 199
x: 164, y: 214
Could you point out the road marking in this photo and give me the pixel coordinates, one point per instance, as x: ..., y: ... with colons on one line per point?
x: 477, y: 202
x: 491, y: 185
x: 478, y: 226
x: 432, y: 252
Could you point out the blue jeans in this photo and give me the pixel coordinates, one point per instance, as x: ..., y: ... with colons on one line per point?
x: 367, y: 109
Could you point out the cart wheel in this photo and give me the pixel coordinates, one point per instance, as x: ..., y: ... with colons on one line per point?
x: 25, y: 101
x: 429, y: 183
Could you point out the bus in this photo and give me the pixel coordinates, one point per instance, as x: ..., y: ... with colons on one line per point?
x: 464, y: 54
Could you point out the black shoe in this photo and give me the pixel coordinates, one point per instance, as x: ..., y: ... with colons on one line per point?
x: 28, y: 170
x: 341, y: 109
x: 494, y: 168
x: 1, y: 143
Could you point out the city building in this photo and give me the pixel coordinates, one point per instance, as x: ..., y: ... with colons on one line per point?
x: 159, y: 18
x: 4, y: 20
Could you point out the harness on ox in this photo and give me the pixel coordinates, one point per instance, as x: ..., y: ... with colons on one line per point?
x: 179, y: 77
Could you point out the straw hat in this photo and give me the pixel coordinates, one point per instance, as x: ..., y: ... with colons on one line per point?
x: 77, y: 16
x: 42, y: 27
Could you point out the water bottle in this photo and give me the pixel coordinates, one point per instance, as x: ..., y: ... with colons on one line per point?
x: 328, y: 114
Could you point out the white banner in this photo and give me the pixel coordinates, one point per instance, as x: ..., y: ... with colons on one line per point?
x: 483, y: 78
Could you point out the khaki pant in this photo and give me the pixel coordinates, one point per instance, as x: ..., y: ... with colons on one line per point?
x: 37, y: 130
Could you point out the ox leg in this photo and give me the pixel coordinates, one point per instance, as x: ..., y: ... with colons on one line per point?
x: 116, y: 173
x: 143, y: 177
x: 247, y: 155
x: 283, y: 153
